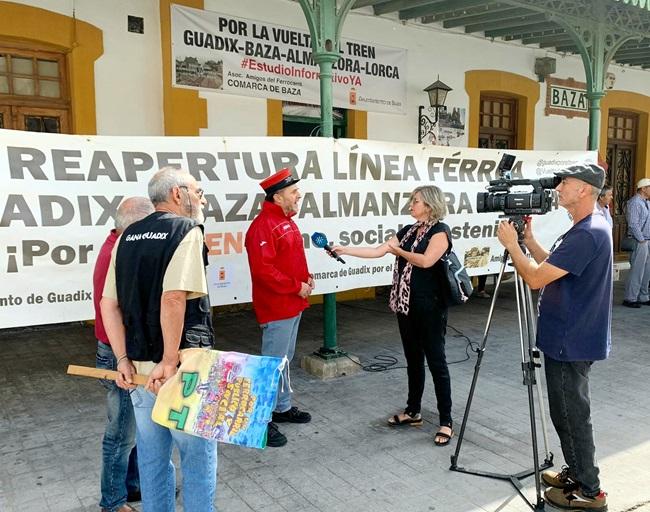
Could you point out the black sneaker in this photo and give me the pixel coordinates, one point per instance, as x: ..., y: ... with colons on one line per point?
x: 274, y: 438
x: 644, y: 303
x: 293, y: 415
x: 631, y: 304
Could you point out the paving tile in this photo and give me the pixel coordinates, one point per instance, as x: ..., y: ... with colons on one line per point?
x: 347, y: 458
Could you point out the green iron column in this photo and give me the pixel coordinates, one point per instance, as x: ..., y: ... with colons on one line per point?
x: 325, y: 22
x: 597, y: 43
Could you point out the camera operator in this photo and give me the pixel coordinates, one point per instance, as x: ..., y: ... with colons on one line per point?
x: 573, y: 329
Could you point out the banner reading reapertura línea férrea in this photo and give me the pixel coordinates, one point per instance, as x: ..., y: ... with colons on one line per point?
x: 59, y: 194
x: 222, y: 53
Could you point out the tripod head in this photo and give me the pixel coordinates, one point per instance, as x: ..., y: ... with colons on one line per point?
x: 519, y: 223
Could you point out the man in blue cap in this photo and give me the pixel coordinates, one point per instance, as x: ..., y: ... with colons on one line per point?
x: 573, y: 329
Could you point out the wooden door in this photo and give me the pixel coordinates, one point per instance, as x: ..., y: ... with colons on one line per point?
x: 47, y: 120
x: 33, y: 90
x: 498, y: 123
x: 5, y: 117
x: 621, y: 157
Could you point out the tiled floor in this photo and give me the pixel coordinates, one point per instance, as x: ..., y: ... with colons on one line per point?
x: 346, y: 459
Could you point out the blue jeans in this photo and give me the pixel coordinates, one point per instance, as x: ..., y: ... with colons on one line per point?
x: 279, y: 340
x: 119, y: 456
x: 157, y: 472
x: 570, y: 407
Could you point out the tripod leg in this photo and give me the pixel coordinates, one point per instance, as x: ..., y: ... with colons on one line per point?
x: 477, y: 366
x: 538, y: 379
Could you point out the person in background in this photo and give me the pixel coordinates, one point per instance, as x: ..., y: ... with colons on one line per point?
x: 281, y: 284
x: 603, y: 203
x: 480, y: 287
x: 120, y: 482
x: 418, y: 299
x: 638, y: 226
x: 155, y: 303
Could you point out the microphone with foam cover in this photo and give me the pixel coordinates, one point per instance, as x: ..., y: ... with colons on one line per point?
x: 320, y: 240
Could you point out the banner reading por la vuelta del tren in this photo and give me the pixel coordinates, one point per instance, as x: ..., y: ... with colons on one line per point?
x: 219, y: 52
x: 59, y: 194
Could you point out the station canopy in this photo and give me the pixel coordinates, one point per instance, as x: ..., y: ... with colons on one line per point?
x: 539, y: 23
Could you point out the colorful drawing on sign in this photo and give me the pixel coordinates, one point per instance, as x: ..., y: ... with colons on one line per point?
x: 225, y: 396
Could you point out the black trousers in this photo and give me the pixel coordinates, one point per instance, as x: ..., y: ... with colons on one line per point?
x: 423, y: 337
x: 569, y: 403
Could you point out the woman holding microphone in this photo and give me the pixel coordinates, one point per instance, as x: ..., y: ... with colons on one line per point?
x: 418, y: 299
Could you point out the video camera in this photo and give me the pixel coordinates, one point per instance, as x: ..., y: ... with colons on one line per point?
x: 498, y: 198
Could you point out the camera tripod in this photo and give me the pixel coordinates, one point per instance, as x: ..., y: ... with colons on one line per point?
x: 530, y: 365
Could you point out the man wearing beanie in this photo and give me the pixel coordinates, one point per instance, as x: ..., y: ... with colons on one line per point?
x: 573, y: 329
x: 281, y: 285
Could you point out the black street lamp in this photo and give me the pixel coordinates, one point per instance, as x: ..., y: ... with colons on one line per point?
x: 437, y: 92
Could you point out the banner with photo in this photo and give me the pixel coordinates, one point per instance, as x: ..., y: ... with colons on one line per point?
x: 219, y: 52
x: 449, y: 130
x: 59, y: 194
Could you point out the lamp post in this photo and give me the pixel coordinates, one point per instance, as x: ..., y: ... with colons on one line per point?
x: 437, y: 92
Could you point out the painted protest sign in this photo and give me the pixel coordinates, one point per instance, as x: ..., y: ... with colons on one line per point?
x: 59, y: 194
x: 224, y: 396
x: 219, y: 52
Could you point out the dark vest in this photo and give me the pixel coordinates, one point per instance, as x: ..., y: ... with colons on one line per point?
x: 143, y: 254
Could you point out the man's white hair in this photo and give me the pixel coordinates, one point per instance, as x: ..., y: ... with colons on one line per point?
x: 162, y: 183
x: 132, y: 210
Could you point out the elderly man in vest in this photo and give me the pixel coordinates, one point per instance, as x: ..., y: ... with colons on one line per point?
x: 281, y: 285
x: 155, y: 302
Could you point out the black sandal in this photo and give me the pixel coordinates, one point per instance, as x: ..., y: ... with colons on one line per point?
x: 442, y: 438
x: 415, y: 420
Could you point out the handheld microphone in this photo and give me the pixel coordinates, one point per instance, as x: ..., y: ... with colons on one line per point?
x: 320, y: 240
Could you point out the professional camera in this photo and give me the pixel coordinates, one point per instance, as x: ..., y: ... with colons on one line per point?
x: 498, y: 198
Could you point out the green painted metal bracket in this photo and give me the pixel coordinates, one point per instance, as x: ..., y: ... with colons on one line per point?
x: 325, y: 24
x: 597, y: 42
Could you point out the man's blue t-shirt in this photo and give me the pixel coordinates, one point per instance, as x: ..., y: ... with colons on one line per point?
x: 575, y: 311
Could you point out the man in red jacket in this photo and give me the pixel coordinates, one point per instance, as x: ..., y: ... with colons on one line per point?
x: 281, y: 285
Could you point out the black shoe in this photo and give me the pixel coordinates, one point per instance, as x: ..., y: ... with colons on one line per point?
x: 293, y: 415
x: 646, y: 303
x: 135, y: 496
x: 274, y: 438
x: 631, y: 304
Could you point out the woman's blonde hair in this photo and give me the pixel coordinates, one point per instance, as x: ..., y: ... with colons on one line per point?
x: 432, y: 197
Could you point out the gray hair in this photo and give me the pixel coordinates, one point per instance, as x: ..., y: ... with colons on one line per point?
x: 595, y: 192
x: 433, y: 197
x: 162, y: 183
x: 132, y: 210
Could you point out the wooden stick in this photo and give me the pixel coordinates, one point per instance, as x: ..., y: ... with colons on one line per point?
x: 100, y: 373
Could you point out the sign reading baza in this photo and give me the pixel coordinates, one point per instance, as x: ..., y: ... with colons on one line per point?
x: 568, y: 98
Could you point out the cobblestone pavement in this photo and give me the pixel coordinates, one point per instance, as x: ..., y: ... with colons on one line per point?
x: 347, y: 458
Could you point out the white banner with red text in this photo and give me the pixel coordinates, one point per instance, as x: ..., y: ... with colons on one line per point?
x: 218, y: 52
x: 59, y: 194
